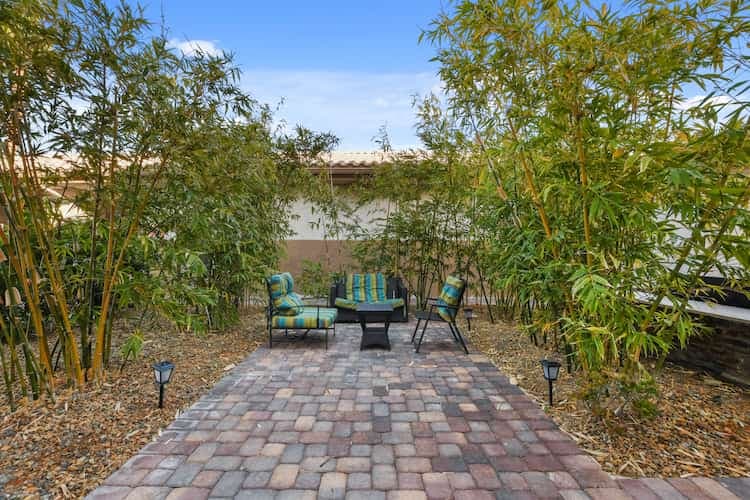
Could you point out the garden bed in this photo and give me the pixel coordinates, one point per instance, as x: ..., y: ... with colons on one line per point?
x: 702, y: 427
x: 68, y: 447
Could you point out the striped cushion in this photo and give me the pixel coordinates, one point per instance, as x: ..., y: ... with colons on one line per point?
x: 309, y: 317
x: 346, y: 303
x: 450, y: 295
x: 365, y: 287
x: 282, y: 297
x: 394, y: 302
x: 289, y: 304
x: 350, y: 304
x: 289, y: 282
x: 278, y: 285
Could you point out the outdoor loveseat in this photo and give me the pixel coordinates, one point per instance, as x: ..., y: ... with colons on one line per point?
x: 370, y: 288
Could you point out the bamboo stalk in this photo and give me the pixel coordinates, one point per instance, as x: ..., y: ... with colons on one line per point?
x: 584, y: 185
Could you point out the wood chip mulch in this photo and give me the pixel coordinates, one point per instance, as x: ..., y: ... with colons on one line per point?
x: 66, y: 448
x: 702, y: 427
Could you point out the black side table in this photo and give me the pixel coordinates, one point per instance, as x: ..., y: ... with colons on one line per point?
x: 374, y: 335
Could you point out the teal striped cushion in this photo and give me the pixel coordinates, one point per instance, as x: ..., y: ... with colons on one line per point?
x: 450, y: 295
x: 308, y: 317
x: 278, y: 286
x: 289, y: 282
x: 282, y: 297
x: 394, y: 302
x: 346, y: 303
x: 365, y: 287
x: 350, y: 304
x: 289, y: 304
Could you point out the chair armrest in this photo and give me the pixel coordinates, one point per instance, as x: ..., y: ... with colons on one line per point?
x: 332, y: 295
x: 404, y: 292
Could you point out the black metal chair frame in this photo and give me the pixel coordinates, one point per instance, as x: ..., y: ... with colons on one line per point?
x: 271, y: 311
x: 431, y: 314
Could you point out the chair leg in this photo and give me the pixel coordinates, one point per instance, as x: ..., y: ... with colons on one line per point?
x: 415, y: 330
x: 326, y: 339
x: 426, y: 322
x: 270, y: 337
x: 461, y: 339
x: 450, y: 327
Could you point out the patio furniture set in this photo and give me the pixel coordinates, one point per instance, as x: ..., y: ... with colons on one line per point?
x: 370, y: 299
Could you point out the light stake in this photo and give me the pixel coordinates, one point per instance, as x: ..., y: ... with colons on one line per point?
x: 469, y: 315
x: 551, y: 370
x: 162, y: 373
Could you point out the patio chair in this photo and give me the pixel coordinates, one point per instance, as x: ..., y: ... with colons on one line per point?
x: 443, y: 309
x: 286, y: 310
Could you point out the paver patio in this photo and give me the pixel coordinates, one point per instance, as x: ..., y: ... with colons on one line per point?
x: 301, y: 422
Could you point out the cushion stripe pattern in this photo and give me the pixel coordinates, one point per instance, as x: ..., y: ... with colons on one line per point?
x: 346, y: 303
x: 365, y: 287
x: 289, y: 282
x: 278, y: 285
x: 289, y: 304
x: 307, y: 318
x: 352, y: 305
x: 449, y: 296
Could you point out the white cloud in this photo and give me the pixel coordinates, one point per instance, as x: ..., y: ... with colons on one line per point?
x: 193, y: 47
x: 352, y: 105
x: 698, y: 101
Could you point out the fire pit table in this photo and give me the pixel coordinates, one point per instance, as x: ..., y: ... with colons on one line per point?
x: 374, y: 335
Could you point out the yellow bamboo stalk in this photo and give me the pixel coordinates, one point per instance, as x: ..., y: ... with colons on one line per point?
x: 529, y: 176
x: 584, y: 185
x: 98, y: 356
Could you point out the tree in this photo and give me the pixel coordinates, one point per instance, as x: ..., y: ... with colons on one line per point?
x: 607, y: 187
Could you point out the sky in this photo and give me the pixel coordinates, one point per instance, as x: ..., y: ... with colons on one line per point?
x: 341, y: 66
x: 347, y: 67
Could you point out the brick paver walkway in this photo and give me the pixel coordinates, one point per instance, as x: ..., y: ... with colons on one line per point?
x: 300, y: 422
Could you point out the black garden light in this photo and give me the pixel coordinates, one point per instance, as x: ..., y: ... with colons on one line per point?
x: 162, y: 373
x: 551, y: 371
x: 469, y: 315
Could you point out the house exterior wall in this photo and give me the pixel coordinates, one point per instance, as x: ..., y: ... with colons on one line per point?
x: 308, y: 240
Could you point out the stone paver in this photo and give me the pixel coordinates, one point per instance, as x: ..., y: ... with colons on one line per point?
x: 302, y: 422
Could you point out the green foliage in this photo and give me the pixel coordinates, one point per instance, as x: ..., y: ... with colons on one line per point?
x: 600, y: 191
x: 316, y: 279
x: 132, y: 347
x: 181, y: 182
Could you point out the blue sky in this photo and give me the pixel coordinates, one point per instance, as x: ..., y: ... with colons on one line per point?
x: 347, y: 67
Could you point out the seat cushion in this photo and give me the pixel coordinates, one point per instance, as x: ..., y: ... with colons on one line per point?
x: 365, y: 287
x: 308, y: 318
x: 346, y: 303
x: 396, y: 303
x: 352, y: 305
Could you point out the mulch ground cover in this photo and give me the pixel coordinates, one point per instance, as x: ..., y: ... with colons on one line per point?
x: 702, y: 427
x: 66, y: 448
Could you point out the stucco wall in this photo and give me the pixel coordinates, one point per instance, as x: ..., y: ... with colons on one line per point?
x: 308, y: 225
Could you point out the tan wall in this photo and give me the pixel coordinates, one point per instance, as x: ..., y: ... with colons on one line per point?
x: 333, y: 254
